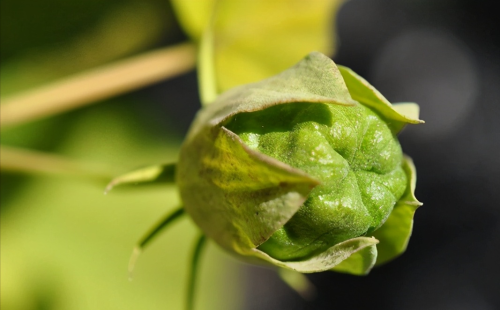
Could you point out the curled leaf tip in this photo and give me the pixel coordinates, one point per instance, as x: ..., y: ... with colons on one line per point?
x: 398, y: 115
x: 109, y: 187
x: 151, y: 174
x: 409, y: 110
x: 132, y: 261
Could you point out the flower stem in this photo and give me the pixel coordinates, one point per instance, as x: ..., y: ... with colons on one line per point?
x: 29, y: 161
x: 97, y: 84
x: 150, y: 235
x: 194, y: 272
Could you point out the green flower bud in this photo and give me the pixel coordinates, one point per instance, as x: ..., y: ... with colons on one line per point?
x: 350, y: 150
x: 302, y: 170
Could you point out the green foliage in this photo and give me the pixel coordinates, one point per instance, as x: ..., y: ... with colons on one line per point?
x: 66, y: 245
x: 47, y: 40
x: 253, y: 40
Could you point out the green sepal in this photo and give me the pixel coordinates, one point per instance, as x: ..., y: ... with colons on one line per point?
x: 150, y: 175
x: 396, y: 231
x: 326, y: 260
x: 300, y: 83
x: 236, y: 195
x: 397, y: 116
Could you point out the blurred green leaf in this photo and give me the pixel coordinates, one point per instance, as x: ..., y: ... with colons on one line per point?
x: 65, y: 237
x: 45, y: 41
x: 30, y: 25
x: 395, y: 233
x: 194, y: 15
x: 253, y: 40
x: 66, y: 245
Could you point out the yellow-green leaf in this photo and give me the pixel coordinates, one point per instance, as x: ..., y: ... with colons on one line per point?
x: 253, y: 40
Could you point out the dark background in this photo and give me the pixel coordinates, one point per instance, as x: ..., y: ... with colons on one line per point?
x: 444, y: 55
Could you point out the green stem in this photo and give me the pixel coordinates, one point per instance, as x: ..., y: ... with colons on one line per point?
x: 298, y: 282
x: 194, y: 272
x: 206, y: 63
x: 149, y: 236
x: 21, y: 160
x: 97, y: 84
x: 160, y: 226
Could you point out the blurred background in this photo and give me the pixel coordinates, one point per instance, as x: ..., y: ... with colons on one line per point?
x: 64, y: 245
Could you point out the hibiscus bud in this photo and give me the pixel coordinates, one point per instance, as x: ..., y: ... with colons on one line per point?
x: 301, y: 170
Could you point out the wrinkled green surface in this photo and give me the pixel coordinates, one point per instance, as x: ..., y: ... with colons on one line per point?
x: 349, y: 149
x: 298, y: 128
x: 252, y: 40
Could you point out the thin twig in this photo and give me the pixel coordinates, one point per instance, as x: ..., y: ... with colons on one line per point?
x: 29, y: 161
x: 97, y: 84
